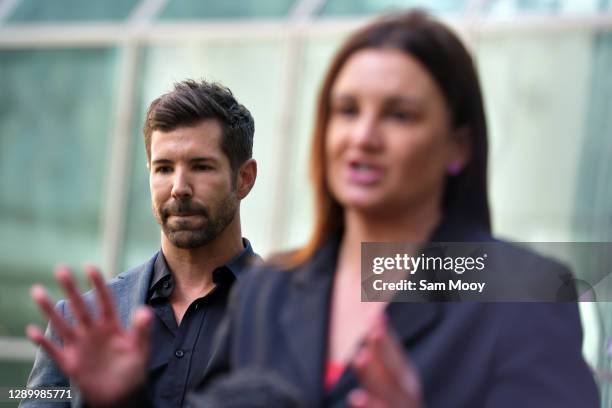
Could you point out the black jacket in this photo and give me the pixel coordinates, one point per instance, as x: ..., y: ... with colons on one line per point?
x: 467, y: 354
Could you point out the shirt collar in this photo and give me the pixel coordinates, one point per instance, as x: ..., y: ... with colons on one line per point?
x: 239, y: 263
x: 162, y: 281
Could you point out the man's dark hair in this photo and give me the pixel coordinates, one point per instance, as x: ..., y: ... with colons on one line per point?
x: 192, y: 102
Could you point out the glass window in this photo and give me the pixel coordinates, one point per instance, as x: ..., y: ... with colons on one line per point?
x: 536, y: 104
x: 365, y: 7
x: 299, y: 199
x: 14, y: 374
x: 30, y: 11
x: 513, y: 7
x: 210, y: 9
x: 54, y: 130
x: 593, y: 197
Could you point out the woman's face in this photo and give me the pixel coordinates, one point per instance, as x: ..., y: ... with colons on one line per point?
x: 389, y: 141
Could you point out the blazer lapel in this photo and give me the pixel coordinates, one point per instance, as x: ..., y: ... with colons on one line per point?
x: 304, y: 319
x: 132, y: 291
x: 411, y: 321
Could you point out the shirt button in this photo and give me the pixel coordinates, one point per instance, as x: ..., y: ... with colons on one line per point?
x: 179, y: 353
x: 166, y: 284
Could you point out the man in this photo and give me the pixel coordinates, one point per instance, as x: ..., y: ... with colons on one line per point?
x: 199, y: 143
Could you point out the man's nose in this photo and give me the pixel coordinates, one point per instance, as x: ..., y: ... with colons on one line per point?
x: 181, y: 186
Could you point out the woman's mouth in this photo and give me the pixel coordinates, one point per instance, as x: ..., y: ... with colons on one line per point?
x: 364, y: 173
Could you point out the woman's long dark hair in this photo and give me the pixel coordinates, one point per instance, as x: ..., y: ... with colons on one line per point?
x: 446, y: 59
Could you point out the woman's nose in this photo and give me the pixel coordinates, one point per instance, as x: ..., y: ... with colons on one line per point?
x: 366, y: 132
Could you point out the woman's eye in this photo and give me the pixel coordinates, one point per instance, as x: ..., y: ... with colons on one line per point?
x: 346, y: 110
x: 401, y: 115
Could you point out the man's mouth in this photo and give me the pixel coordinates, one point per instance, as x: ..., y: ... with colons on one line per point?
x: 185, y: 215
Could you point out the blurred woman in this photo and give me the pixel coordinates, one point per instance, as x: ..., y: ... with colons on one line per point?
x: 399, y: 154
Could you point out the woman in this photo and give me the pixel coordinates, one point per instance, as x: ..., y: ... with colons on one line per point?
x: 400, y: 155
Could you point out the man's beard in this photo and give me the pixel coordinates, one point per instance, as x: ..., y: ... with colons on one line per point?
x: 187, y: 233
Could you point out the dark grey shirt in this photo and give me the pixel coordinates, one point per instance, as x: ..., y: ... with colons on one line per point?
x: 180, y: 353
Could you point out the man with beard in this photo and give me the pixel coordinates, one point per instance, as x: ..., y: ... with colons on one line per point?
x: 199, y: 143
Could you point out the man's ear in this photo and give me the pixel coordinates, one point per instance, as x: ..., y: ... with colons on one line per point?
x: 461, y: 149
x: 245, y: 179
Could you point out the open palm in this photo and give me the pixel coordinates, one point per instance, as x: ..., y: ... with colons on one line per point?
x: 106, y: 361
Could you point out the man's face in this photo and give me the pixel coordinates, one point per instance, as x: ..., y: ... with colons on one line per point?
x: 192, y: 192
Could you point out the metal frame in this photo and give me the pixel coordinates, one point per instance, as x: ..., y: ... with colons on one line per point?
x: 111, y: 34
x: 116, y: 191
x: 16, y: 349
x: 305, y: 9
x: 146, y: 11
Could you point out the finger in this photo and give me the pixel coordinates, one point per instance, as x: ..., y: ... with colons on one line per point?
x: 381, y: 383
x: 37, y: 337
x: 371, y: 376
x: 77, y: 304
x: 393, y: 367
x: 388, y: 386
x: 359, y: 398
x: 394, y: 359
x: 103, y: 297
x: 58, y: 323
x: 141, y: 322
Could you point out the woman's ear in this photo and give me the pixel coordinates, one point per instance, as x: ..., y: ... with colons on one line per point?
x: 460, y: 150
x: 245, y: 180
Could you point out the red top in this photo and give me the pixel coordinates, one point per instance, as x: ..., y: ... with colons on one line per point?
x: 333, y: 372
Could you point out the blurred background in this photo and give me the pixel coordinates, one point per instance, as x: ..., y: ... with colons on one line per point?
x: 77, y: 76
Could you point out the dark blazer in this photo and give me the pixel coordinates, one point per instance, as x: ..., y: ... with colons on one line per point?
x: 467, y: 354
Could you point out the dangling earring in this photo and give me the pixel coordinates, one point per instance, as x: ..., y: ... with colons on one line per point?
x: 454, y: 168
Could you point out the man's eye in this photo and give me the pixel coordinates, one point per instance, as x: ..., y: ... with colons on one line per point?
x: 163, y: 169
x: 202, y: 167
